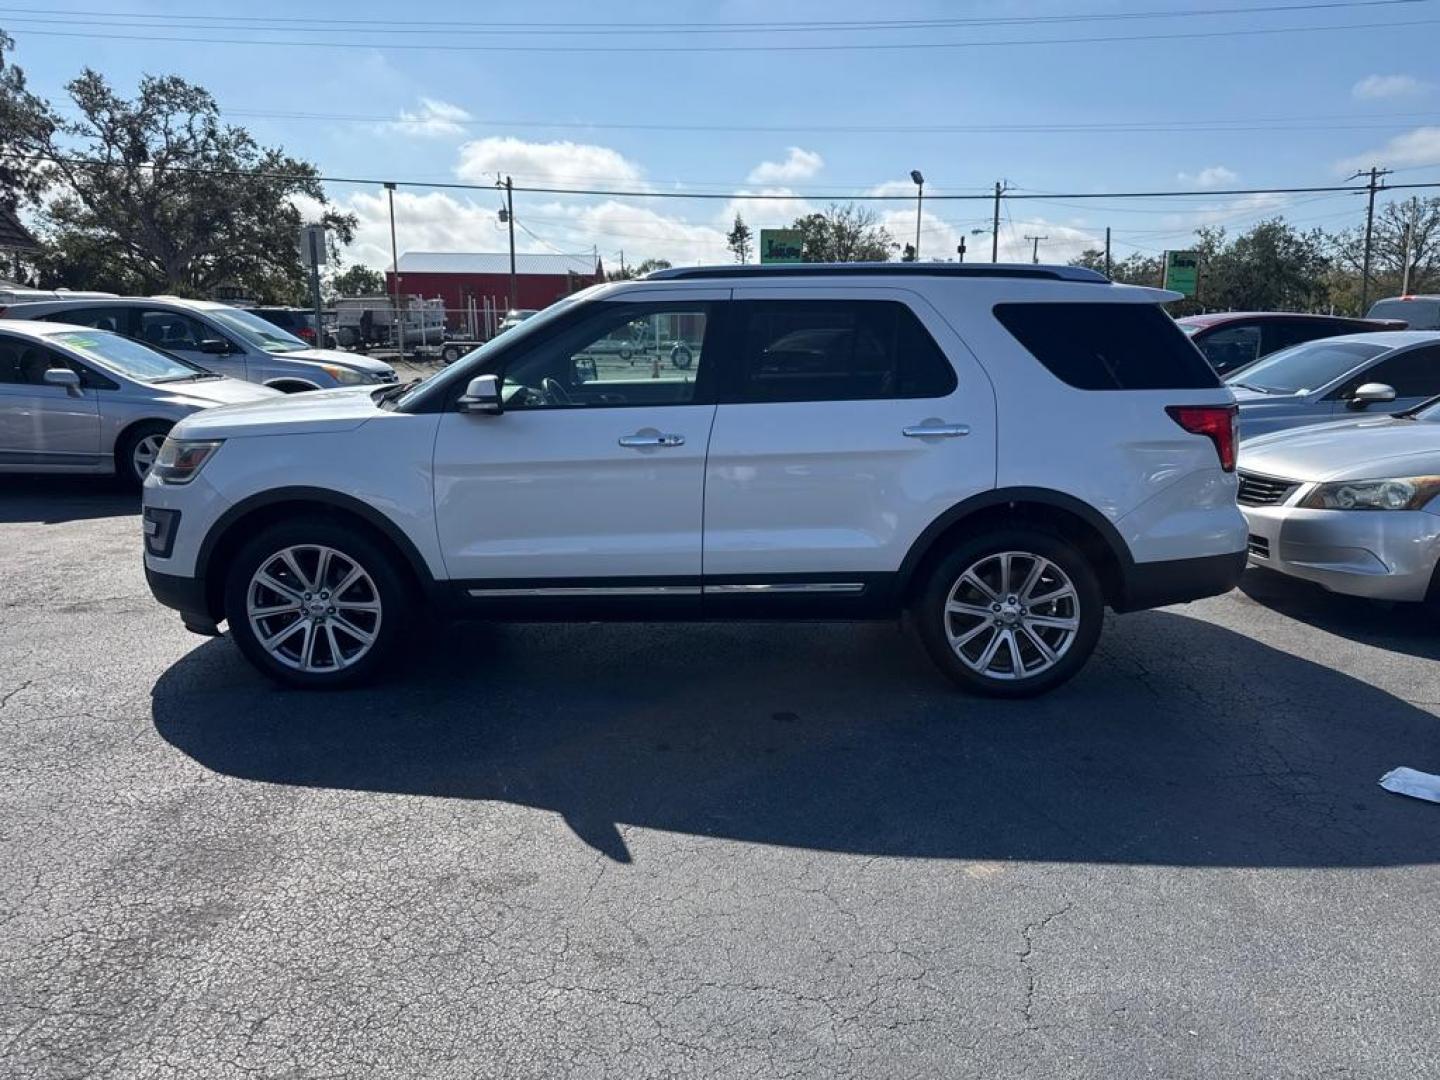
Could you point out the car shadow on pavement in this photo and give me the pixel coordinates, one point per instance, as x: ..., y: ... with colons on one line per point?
x: 52, y: 500
x: 1182, y: 743
x: 1411, y: 629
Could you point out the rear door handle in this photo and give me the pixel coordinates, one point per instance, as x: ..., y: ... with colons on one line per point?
x: 936, y: 431
x: 658, y: 439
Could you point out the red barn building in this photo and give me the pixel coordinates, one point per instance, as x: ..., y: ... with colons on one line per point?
x: 474, y: 281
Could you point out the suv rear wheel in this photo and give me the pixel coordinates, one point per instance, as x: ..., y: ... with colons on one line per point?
x: 314, y: 604
x: 1011, y: 614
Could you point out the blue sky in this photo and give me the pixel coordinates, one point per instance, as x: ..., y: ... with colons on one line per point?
x: 410, y: 100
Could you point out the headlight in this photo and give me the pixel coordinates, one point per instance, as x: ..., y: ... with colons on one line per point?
x: 346, y: 377
x: 180, y: 459
x: 1401, y: 493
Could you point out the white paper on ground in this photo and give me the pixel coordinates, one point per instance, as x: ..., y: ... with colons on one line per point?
x: 1420, y: 785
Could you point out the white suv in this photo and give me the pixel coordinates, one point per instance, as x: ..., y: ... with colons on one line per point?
x: 1001, y: 451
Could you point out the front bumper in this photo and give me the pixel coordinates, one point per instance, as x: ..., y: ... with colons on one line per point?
x: 1380, y: 554
x: 186, y: 595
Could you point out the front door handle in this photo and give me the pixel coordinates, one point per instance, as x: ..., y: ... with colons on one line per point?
x: 935, y: 431
x: 656, y: 439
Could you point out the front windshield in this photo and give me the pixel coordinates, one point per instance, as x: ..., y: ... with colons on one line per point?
x: 1302, y: 368
x: 256, y: 331
x: 130, y: 358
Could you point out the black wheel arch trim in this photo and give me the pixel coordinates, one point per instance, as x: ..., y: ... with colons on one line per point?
x: 985, y: 500
x: 324, y: 497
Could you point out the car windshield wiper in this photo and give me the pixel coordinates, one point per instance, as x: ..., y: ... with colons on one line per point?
x: 1247, y: 386
x: 194, y: 376
x: 390, y: 393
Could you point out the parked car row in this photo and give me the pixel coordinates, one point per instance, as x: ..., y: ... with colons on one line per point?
x: 838, y: 451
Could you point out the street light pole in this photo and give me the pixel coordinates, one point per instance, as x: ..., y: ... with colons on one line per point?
x: 919, y: 205
x: 1035, y: 250
x: 396, y: 317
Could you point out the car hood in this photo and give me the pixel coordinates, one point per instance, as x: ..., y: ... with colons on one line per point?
x: 1371, y: 448
x: 336, y: 358
x: 205, y: 393
x: 285, y: 414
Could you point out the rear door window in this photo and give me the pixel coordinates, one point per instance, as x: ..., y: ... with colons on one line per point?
x: 1108, y: 346
x: 116, y: 319
x: 837, y: 350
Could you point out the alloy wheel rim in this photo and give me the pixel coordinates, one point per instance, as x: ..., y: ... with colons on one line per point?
x: 1012, y: 615
x: 313, y: 608
x: 142, y: 458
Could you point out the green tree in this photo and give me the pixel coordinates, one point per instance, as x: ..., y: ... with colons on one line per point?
x: 155, y: 194
x: 846, y: 233
x: 1420, y: 219
x: 638, y: 270
x: 739, y: 240
x: 1271, y: 267
x: 358, y: 280
x: 27, y: 127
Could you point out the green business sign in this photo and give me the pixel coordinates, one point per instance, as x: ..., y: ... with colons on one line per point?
x: 781, y: 245
x: 1182, y: 271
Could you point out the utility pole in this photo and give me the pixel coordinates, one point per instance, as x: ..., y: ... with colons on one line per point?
x: 1372, y: 186
x: 960, y: 249
x: 1107, y: 250
x: 1035, y: 250
x: 396, y: 316
x: 510, y: 219
x: 1409, y: 242
x: 919, y: 180
x: 622, y: 264
x: 1000, y: 188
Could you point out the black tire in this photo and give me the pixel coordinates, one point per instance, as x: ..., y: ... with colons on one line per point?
x: 1085, y: 604
x: 126, y: 466
x: 681, y: 357
x: 450, y: 354
x: 386, y: 584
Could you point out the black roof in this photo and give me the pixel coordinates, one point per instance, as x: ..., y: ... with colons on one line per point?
x: 14, y: 235
x: 870, y: 269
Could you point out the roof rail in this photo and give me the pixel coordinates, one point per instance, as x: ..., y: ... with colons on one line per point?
x: 888, y: 269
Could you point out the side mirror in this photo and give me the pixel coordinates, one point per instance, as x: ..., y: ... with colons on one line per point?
x: 482, y: 395
x: 1371, y: 393
x: 215, y: 346
x: 63, y: 377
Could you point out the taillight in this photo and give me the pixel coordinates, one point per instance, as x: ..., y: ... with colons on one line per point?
x: 1215, y: 422
x: 307, y: 334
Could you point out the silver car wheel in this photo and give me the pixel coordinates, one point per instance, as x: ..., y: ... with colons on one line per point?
x: 142, y: 457
x: 1012, y: 615
x: 313, y: 608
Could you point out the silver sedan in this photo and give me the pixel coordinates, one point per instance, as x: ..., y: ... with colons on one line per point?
x: 76, y: 400
x: 1353, y: 506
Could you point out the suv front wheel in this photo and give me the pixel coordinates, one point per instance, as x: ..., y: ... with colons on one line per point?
x: 314, y: 604
x: 1011, y: 614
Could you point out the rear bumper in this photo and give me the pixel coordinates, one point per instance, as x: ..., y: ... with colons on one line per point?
x: 1174, y: 581
x: 187, y: 596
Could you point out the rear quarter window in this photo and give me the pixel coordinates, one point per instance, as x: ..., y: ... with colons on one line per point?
x: 1108, y: 346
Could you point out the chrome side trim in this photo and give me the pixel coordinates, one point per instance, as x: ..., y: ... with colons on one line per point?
x: 605, y: 590
x: 790, y: 587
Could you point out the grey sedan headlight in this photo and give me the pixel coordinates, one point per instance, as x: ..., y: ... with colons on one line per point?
x: 1399, y: 493
x: 346, y: 377
x: 180, y: 460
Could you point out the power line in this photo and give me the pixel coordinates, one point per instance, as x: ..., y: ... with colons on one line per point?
x: 1184, y: 125
x: 470, y: 28
x: 863, y: 46
x: 1010, y: 195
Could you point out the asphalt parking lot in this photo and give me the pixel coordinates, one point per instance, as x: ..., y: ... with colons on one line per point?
x: 660, y: 850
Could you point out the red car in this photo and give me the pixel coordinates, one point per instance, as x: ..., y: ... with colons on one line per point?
x: 1232, y: 339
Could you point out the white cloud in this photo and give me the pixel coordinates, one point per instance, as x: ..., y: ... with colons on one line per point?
x: 799, y: 164
x: 1213, y: 176
x: 552, y: 164
x: 434, y: 118
x: 1380, y: 87
x: 1418, y: 147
